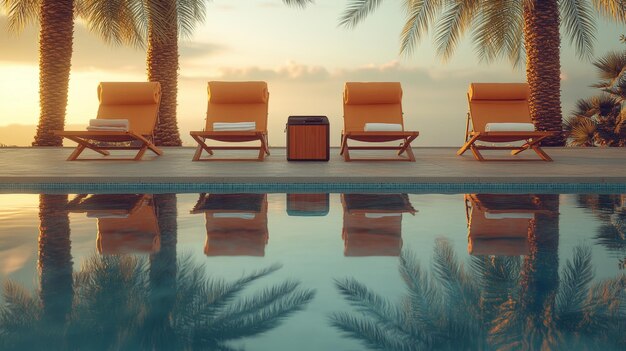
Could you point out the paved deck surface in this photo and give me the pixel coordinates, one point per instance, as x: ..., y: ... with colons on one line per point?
x: 433, y: 165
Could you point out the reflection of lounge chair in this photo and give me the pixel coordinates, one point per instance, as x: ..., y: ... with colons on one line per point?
x: 499, y: 113
x: 372, y: 223
x: 136, y: 102
x: 127, y: 223
x: 307, y: 204
x: 237, y: 112
x: 236, y: 224
x: 372, y: 112
x: 500, y: 224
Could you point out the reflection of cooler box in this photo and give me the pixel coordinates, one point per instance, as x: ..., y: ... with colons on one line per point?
x: 308, y: 138
x: 307, y: 204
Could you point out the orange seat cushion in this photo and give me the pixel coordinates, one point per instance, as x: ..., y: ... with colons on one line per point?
x: 372, y: 93
x: 238, y: 92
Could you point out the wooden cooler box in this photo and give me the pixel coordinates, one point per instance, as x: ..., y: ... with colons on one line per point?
x: 307, y: 204
x: 308, y: 138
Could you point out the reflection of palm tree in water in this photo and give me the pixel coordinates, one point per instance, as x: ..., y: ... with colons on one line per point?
x: 611, y: 209
x: 500, y: 303
x: 121, y: 302
x: 55, y: 258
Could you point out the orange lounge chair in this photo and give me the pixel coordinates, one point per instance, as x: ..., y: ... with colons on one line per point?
x: 127, y: 223
x: 372, y: 223
x: 494, y: 107
x: 500, y: 224
x: 367, y: 104
x: 236, y: 224
x: 234, y: 102
x: 137, y: 102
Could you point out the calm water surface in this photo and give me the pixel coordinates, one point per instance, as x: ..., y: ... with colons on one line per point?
x: 312, y: 271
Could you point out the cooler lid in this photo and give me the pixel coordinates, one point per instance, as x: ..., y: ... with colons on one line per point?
x: 308, y: 120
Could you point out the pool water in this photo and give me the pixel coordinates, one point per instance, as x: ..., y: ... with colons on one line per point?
x: 313, y: 271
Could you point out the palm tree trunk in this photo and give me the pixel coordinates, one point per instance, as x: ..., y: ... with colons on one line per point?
x: 543, y: 66
x: 55, y: 55
x: 55, y: 258
x: 163, y: 66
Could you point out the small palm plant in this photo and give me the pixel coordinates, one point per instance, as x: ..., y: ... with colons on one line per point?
x: 601, y: 120
x: 484, y: 307
x: 113, y: 309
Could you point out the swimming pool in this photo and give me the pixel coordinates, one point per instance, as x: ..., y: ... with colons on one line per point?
x: 313, y: 271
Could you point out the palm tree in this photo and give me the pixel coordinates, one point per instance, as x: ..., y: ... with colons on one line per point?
x: 112, y: 309
x: 482, y: 308
x: 56, y: 35
x: 600, y: 120
x: 164, y: 21
x: 507, y: 28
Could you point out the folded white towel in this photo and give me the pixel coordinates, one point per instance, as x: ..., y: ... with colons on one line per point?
x: 383, y: 127
x: 237, y: 126
x: 109, y: 129
x: 509, y: 127
x: 240, y: 215
x: 106, y: 215
x: 519, y: 215
x: 108, y: 122
x: 381, y: 215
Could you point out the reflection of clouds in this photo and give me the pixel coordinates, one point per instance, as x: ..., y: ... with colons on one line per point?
x: 15, y: 258
x: 18, y: 242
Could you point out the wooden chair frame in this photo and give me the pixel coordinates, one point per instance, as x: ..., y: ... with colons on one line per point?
x: 403, y: 148
x: 201, y: 136
x: 86, y: 139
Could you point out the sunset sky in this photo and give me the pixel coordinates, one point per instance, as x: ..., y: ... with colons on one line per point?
x: 302, y: 54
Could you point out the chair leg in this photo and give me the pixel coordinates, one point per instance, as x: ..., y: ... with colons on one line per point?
x: 541, y: 153
x: 467, y: 145
x: 476, y: 153
x: 201, y: 146
x: 345, y: 149
x: 77, y: 151
x: 141, y: 151
x: 409, y: 153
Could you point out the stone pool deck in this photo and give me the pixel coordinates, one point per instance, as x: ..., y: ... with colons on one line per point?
x: 37, y: 166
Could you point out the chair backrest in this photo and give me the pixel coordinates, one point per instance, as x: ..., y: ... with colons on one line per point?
x: 499, y: 216
x: 233, y: 102
x: 371, y: 102
x: 139, y: 232
x: 138, y: 102
x: 498, y: 103
x: 239, y: 227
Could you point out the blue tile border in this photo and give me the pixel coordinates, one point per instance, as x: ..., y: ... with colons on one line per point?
x: 450, y: 188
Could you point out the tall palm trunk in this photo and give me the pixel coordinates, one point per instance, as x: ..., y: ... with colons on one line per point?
x: 163, y: 66
x: 540, y: 277
x: 55, y: 259
x: 543, y: 66
x: 55, y: 54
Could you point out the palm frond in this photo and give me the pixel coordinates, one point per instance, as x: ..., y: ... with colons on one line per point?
x: 190, y: 14
x: 612, y: 9
x: 357, y: 11
x: 420, y: 14
x: 265, y: 311
x: 371, y: 304
x: 454, y: 21
x: 612, y: 70
x: 162, y: 20
x: 116, y: 21
x: 582, y: 131
x: 499, y: 31
x: 370, y: 333
x: 21, y: 13
x: 298, y: 3
x: 579, y: 22
x: 574, y: 282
